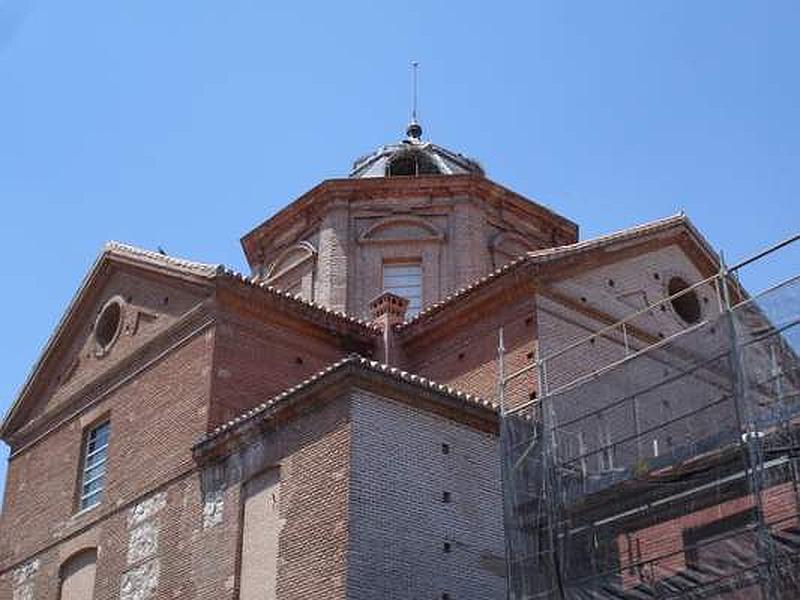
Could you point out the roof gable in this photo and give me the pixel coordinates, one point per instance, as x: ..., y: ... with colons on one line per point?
x: 555, y: 262
x: 126, y: 299
x: 167, y: 288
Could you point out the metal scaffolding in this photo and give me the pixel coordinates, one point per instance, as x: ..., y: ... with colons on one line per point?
x: 667, y: 467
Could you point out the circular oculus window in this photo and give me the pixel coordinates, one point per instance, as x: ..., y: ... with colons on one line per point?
x: 687, y: 305
x: 107, y: 326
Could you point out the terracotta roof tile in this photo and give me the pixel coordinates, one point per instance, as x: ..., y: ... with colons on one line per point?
x: 157, y: 258
x: 358, y: 362
x: 545, y: 255
x: 218, y: 270
x: 250, y: 281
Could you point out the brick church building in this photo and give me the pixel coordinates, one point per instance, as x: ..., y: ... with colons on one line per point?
x: 325, y: 426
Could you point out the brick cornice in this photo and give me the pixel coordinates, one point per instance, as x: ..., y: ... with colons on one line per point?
x: 351, y: 372
x: 337, y: 191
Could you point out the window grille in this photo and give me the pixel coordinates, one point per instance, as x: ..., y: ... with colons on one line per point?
x: 93, y: 476
x: 405, y: 279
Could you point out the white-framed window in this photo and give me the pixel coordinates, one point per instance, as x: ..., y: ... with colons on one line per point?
x: 405, y: 279
x: 93, y: 475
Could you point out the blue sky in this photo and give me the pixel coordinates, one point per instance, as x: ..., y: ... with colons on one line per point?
x: 182, y: 124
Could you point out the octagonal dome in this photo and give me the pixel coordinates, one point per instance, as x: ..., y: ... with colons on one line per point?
x: 413, y: 157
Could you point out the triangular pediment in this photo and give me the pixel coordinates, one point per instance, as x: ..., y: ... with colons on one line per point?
x: 549, y: 266
x: 126, y: 300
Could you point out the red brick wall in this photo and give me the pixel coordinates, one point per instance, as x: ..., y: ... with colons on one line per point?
x: 150, y: 305
x: 154, y: 424
x: 666, y: 539
x: 467, y: 213
x: 313, y: 456
x: 464, y: 353
x: 155, y: 419
x: 255, y: 360
x: 314, y: 540
x: 193, y: 563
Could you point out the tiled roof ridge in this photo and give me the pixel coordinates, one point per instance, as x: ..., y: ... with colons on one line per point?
x: 620, y: 234
x: 338, y: 314
x: 110, y: 248
x: 213, y: 270
x: 538, y: 255
x: 207, y: 269
x: 359, y: 362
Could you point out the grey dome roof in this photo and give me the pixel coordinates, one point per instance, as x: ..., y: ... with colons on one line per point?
x: 413, y: 156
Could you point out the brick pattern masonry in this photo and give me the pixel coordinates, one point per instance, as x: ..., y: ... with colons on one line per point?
x: 387, y: 490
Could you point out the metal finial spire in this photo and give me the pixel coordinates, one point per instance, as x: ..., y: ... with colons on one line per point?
x: 414, y: 76
x: 414, y: 129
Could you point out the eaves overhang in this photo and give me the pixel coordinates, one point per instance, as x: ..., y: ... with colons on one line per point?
x: 432, y: 186
x: 112, y: 253
x: 336, y: 322
x: 357, y: 370
x: 207, y: 275
x: 538, y: 262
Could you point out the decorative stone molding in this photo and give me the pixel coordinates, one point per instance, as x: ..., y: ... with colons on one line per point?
x: 506, y: 246
x: 401, y: 229
x: 23, y: 579
x: 289, y: 259
x: 213, y: 506
x: 108, y: 325
x: 143, y: 542
x: 146, y: 509
x: 140, y: 581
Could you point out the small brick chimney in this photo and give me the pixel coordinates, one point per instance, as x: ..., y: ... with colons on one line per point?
x: 387, y: 310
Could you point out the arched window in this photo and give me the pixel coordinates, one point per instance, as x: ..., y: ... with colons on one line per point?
x: 77, y: 575
x: 291, y: 258
x: 507, y: 246
x: 293, y: 270
x: 401, y: 229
